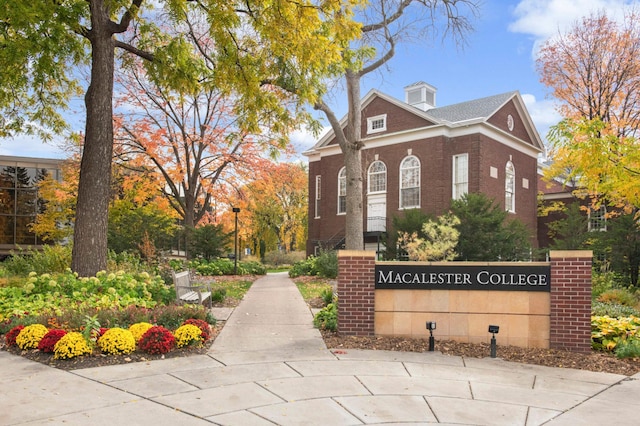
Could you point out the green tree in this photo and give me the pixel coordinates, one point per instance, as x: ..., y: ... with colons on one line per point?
x: 260, y: 46
x: 570, y: 232
x: 132, y: 225
x: 619, y: 246
x: 208, y: 241
x: 486, y: 232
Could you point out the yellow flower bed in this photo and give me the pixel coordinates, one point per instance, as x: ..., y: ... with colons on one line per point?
x: 71, y: 345
x: 607, y: 332
x: 188, y: 334
x: 138, y: 329
x: 30, y: 336
x: 117, y: 341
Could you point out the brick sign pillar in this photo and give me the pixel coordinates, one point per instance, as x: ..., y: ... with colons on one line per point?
x: 356, y: 292
x: 570, y: 326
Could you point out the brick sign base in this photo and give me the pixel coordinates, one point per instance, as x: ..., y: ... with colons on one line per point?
x: 558, y: 319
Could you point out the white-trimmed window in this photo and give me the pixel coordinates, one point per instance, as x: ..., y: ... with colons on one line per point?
x: 460, y: 176
x: 377, y: 124
x: 342, y: 191
x: 318, y: 195
x: 377, y: 177
x: 510, y: 187
x: 410, y: 182
x: 598, y: 219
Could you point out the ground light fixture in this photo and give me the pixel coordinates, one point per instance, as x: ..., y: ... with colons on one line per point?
x: 493, y: 329
x: 431, y: 325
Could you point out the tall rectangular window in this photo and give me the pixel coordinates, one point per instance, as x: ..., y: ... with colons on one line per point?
x: 598, y: 219
x: 460, y: 176
x: 410, y: 183
x: 318, y: 196
x: 510, y: 188
x: 342, y: 191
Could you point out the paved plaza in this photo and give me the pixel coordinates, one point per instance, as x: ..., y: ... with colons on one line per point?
x: 269, y: 366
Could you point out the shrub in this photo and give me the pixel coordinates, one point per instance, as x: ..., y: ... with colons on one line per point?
x: 304, y: 267
x: 48, y: 342
x: 628, y: 349
x: 327, y: 296
x: 117, y: 341
x: 10, y: 337
x: 607, y: 332
x: 327, y: 318
x: 138, y: 329
x: 157, y: 340
x: 204, y: 327
x: 618, y: 296
x: 30, y: 336
x: 218, y: 295
x: 71, y: 345
x: 613, y: 310
x: 187, y: 335
x: 327, y: 264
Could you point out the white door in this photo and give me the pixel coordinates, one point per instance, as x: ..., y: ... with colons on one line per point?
x: 377, y: 214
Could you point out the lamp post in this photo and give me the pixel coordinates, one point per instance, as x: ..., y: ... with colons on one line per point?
x: 431, y: 325
x: 493, y: 329
x: 235, y: 210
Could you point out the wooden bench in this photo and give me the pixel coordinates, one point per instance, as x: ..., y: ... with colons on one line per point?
x: 187, y: 292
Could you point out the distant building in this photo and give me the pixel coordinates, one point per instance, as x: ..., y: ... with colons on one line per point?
x: 19, y: 199
x: 417, y: 155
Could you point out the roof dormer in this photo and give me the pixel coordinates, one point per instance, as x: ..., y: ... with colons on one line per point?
x: 420, y: 95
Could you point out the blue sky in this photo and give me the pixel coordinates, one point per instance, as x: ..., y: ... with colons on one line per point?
x: 499, y: 57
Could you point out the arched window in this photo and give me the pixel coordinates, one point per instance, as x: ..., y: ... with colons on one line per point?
x: 342, y: 191
x: 510, y: 188
x: 410, y: 182
x: 377, y: 177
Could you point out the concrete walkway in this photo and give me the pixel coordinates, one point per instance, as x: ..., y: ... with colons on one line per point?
x: 269, y: 366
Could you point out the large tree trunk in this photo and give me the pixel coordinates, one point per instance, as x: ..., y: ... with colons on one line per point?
x: 354, y: 232
x: 90, y: 233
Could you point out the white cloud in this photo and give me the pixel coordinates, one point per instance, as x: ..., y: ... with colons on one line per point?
x: 544, y: 19
x: 543, y: 113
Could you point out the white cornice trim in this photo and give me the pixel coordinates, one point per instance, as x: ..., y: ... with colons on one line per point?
x: 470, y: 127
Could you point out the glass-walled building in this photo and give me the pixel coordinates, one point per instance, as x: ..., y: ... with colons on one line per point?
x: 19, y: 200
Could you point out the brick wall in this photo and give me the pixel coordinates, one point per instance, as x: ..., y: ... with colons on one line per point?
x: 571, y: 300
x: 356, y: 292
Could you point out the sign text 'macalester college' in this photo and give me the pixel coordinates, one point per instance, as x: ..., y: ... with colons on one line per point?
x: 463, y: 277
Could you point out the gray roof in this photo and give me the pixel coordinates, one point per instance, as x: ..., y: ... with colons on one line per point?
x: 477, y: 108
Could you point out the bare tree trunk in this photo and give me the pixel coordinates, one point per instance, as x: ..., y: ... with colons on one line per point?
x: 354, y: 228
x: 90, y: 234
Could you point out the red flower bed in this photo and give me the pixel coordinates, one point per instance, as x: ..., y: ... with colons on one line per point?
x: 157, y: 340
x: 50, y: 339
x: 10, y: 338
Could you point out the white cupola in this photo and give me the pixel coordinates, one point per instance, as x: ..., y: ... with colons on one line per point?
x: 420, y: 95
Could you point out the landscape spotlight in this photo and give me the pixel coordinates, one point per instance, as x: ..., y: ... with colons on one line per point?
x: 431, y: 325
x: 493, y: 329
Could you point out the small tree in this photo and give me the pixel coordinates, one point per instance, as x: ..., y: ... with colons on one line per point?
x: 409, y: 222
x: 208, y: 241
x: 439, y: 242
x: 569, y: 233
x: 486, y: 233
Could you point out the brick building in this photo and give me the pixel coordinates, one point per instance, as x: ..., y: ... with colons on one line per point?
x: 417, y: 155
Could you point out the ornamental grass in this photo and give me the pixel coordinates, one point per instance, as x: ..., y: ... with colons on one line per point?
x: 71, y: 345
x: 117, y: 341
x: 30, y: 336
x: 188, y: 335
